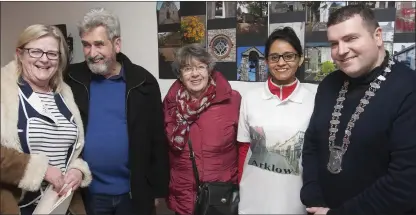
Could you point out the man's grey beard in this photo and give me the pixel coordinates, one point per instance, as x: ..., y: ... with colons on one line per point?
x: 100, y: 68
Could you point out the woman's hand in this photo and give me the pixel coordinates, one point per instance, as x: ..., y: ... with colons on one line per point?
x: 54, y: 176
x: 72, y: 179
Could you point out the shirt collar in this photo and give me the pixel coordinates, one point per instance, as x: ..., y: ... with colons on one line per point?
x: 121, y: 75
x: 297, y: 95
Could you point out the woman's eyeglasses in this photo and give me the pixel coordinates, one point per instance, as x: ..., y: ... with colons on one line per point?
x: 188, y: 69
x: 287, y: 57
x: 38, y: 53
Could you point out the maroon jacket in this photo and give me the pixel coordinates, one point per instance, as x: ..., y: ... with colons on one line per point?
x: 214, y: 142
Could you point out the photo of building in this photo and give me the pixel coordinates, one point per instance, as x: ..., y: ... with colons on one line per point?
x: 298, y: 27
x: 387, y: 31
x: 168, y: 12
x: 251, y: 64
x: 286, y: 6
x: 221, y: 9
x: 318, y: 62
x: 317, y: 13
x: 405, y: 53
x: 374, y: 4
x: 388, y: 46
x: 252, y: 17
x: 169, y: 39
x: 221, y: 44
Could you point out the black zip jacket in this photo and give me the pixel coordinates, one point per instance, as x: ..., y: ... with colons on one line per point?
x: 148, y: 146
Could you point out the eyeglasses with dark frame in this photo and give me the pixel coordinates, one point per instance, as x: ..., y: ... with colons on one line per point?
x: 38, y: 53
x: 287, y: 57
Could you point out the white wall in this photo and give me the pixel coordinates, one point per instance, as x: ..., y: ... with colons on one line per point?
x: 138, y: 30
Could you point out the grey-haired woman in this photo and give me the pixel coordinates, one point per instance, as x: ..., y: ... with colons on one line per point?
x: 202, y: 109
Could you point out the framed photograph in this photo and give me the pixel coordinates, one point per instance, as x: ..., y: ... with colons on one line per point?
x: 166, y: 57
x: 405, y: 53
x: 388, y: 46
x: 169, y: 39
x: 221, y: 14
x: 298, y: 27
x: 317, y: 13
x: 405, y: 16
x: 252, y: 18
x: 374, y: 4
x: 168, y: 12
x: 221, y: 44
x: 287, y: 11
x: 387, y: 31
x: 251, y: 64
x: 221, y: 9
x: 286, y: 6
x: 318, y: 62
x: 193, y: 29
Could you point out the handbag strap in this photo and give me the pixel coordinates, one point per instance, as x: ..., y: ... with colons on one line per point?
x: 194, y: 168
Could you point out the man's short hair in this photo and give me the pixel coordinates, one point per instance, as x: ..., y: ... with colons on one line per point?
x: 347, y: 12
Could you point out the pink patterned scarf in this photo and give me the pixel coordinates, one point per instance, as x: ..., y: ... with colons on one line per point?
x: 187, y: 112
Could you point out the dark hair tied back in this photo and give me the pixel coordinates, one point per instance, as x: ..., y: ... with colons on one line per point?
x: 286, y: 34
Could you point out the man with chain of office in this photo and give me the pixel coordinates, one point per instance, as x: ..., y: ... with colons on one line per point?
x: 359, y: 154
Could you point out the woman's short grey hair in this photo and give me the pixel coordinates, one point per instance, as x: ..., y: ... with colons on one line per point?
x: 100, y: 17
x: 185, y: 55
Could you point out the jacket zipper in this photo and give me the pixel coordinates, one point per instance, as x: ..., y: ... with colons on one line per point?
x: 88, y: 93
x: 126, y: 104
x: 88, y: 96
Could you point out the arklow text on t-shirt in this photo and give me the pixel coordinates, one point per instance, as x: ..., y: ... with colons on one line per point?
x: 272, y: 168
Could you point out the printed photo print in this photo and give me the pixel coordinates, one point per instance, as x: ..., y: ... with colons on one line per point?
x: 387, y: 31
x: 221, y: 44
x: 405, y: 53
x: 251, y: 64
x: 168, y: 12
x: 317, y: 14
x: 193, y: 29
x: 286, y: 11
x: 167, y: 54
x: 166, y: 57
x: 388, y: 46
x: 405, y: 16
x: 169, y: 39
x: 298, y: 27
x: 374, y: 4
x: 252, y: 17
x: 318, y: 62
x: 286, y: 6
x: 221, y: 9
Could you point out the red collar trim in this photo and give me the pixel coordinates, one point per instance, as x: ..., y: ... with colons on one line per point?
x: 282, y: 91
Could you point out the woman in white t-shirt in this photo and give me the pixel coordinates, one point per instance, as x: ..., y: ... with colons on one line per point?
x: 272, y: 123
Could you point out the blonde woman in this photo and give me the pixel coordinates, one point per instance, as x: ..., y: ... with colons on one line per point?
x: 40, y: 118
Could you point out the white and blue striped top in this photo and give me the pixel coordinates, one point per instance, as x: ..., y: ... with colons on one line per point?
x: 51, y: 139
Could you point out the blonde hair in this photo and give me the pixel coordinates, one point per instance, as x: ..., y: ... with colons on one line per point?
x: 38, y: 31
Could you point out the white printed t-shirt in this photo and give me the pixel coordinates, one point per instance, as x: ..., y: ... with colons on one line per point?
x: 275, y: 129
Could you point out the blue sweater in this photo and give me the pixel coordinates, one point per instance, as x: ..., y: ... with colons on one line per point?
x: 379, y: 167
x: 106, y: 143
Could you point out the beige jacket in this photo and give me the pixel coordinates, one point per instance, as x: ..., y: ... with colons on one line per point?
x: 14, y: 180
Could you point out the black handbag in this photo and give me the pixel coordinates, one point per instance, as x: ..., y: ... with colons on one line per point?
x: 214, y: 198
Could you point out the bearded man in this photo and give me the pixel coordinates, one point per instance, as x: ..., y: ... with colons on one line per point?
x: 120, y: 103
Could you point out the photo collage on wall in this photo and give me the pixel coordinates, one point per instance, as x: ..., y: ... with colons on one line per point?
x: 234, y: 33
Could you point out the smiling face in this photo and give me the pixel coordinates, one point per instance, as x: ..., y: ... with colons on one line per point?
x: 195, y: 77
x: 354, y: 48
x: 99, y: 51
x: 283, y: 68
x: 37, y: 70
